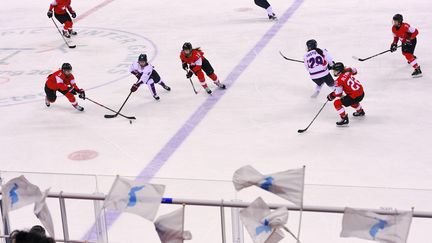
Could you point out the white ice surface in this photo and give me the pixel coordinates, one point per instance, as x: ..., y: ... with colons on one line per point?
x: 255, y: 122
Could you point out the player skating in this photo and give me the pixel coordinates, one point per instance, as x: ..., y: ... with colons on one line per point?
x: 60, y: 13
x: 408, y: 36
x: 146, y: 74
x: 317, y: 62
x: 348, y: 84
x: 266, y: 5
x: 64, y: 82
x: 194, y: 62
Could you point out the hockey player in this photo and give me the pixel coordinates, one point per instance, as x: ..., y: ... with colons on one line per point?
x: 146, y: 74
x: 408, y: 36
x: 194, y: 62
x: 266, y: 5
x: 346, y: 83
x: 64, y: 82
x: 318, y: 62
x: 59, y: 7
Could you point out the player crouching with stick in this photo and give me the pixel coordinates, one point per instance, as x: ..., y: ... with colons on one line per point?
x: 348, y: 84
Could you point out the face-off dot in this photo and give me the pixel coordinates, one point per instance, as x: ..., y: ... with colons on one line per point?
x: 81, y: 155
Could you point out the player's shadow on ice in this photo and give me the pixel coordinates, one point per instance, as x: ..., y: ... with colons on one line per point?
x: 250, y: 20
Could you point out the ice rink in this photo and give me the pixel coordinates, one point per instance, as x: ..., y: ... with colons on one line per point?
x: 194, y: 143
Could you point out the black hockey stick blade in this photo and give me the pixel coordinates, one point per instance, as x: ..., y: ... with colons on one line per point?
x: 110, y: 116
x: 357, y: 58
x: 361, y: 59
x: 302, y: 130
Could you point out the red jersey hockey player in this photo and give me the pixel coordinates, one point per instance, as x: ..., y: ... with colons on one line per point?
x: 64, y: 82
x: 346, y: 83
x: 408, y: 36
x: 60, y: 7
x: 194, y: 62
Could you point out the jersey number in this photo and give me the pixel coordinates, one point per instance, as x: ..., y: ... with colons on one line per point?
x: 315, y: 61
x: 353, y: 83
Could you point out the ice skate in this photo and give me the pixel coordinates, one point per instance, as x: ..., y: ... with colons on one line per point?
x: 359, y: 113
x: 78, y: 107
x: 66, y: 34
x: 344, y: 121
x: 417, y: 73
x: 272, y: 16
x: 72, y: 32
x: 47, y: 103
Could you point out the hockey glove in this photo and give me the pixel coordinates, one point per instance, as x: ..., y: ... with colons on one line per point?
x: 393, y: 47
x: 331, y: 96
x: 73, y: 14
x: 134, y: 87
x: 185, y: 66
x: 50, y: 14
x: 81, y: 93
x: 189, y: 74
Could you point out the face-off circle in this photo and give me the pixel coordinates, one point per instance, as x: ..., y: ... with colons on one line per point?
x: 30, y: 45
x: 81, y: 155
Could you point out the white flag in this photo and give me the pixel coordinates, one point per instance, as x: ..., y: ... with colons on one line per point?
x: 19, y: 192
x: 371, y: 226
x: 170, y: 227
x: 43, y: 214
x: 262, y: 224
x: 135, y: 197
x: 286, y: 184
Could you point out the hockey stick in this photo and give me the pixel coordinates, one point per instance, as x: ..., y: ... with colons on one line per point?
x: 367, y: 58
x: 289, y: 59
x: 127, y: 117
x: 304, y: 130
x: 73, y: 46
x: 193, y: 86
x: 118, y: 112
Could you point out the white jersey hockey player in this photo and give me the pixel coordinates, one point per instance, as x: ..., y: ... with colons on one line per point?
x: 318, y: 62
x: 146, y: 74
